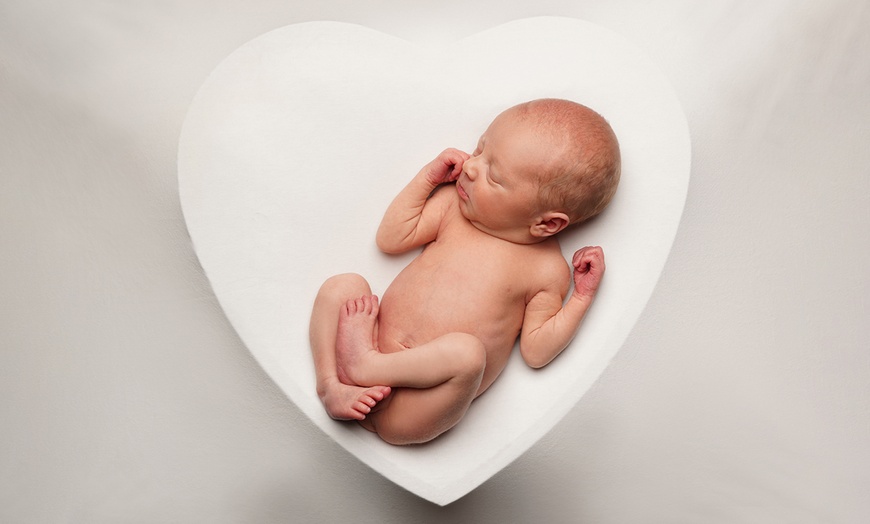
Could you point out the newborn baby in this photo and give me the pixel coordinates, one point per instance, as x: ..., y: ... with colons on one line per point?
x: 408, y: 366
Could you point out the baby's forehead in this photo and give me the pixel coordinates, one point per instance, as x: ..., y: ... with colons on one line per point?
x: 545, y: 125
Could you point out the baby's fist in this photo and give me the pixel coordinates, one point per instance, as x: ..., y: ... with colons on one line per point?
x: 446, y: 167
x: 588, y: 269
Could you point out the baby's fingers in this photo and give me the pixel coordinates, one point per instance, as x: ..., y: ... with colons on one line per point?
x: 588, y: 258
x: 454, y: 159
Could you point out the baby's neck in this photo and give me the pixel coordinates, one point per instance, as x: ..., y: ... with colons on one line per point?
x: 520, y: 235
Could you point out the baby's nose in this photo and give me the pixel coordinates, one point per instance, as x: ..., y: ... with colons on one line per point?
x: 470, y: 167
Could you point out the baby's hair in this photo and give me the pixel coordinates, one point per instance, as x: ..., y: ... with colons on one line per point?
x: 586, y: 176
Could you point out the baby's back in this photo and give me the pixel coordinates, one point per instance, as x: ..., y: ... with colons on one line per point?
x: 465, y: 281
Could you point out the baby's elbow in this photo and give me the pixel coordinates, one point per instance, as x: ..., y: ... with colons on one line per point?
x: 386, y: 245
x: 533, y: 359
x: 536, y: 364
x: 382, y: 240
x: 382, y: 244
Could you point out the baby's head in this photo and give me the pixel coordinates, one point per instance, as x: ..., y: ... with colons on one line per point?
x: 583, y: 178
x: 554, y: 162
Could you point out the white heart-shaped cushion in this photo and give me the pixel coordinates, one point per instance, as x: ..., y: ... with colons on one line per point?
x: 297, y: 142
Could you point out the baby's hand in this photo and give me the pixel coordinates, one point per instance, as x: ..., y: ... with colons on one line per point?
x: 588, y: 269
x: 446, y: 167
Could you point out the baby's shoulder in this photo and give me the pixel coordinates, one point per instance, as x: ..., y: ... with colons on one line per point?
x: 444, y: 200
x: 549, y: 253
x: 444, y: 193
x: 550, y: 267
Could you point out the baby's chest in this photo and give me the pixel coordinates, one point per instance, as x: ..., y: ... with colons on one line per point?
x: 480, y: 268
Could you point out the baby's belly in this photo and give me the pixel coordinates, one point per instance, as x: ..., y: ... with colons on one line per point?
x: 415, y: 318
x: 415, y: 311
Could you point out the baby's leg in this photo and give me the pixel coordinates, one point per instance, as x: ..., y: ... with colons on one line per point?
x: 437, y: 380
x: 450, y: 357
x: 417, y: 415
x: 342, y: 401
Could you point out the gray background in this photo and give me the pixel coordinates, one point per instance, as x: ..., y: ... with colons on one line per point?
x: 741, y: 395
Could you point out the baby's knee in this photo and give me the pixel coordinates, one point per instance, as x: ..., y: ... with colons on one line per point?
x: 344, y: 284
x: 469, y: 352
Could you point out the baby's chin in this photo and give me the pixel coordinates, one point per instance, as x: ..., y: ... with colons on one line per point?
x: 464, y: 211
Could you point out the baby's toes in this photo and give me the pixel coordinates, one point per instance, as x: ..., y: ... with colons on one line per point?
x: 349, y: 307
x: 379, y: 393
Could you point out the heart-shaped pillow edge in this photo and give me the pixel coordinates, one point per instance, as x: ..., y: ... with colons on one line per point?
x: 554, y: 27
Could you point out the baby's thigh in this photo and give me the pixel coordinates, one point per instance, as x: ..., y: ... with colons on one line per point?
x: 417, y: 415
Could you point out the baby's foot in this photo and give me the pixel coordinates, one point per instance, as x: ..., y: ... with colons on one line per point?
x: 343, y: 402
x: 356, y: 324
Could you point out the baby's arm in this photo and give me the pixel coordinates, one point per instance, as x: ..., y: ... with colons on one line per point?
x: 413, y: 218
x: 549, y: 325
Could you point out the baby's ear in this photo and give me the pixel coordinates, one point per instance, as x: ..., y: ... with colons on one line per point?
x: 548, y: 224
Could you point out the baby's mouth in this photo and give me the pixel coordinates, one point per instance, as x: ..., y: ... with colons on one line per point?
x: 461, y: 190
